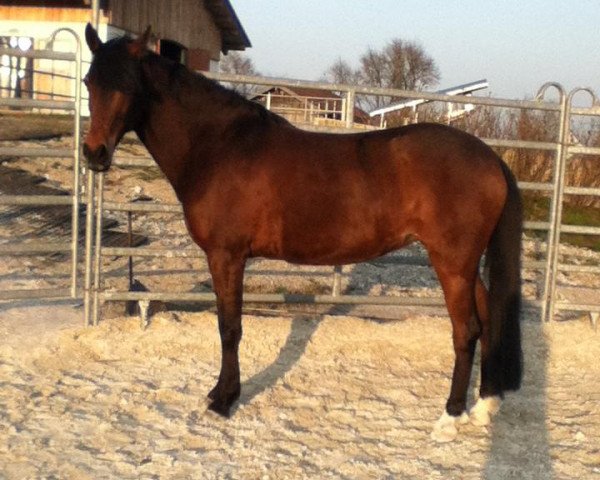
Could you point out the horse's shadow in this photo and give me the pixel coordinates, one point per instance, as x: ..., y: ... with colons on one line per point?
x: 301, y: 331
x: 520, y: 443
x: 304, y: 326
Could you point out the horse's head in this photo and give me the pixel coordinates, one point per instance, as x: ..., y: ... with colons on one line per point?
x: 116, y: 95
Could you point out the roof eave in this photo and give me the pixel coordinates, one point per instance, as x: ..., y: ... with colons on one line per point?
x: 234, y: 35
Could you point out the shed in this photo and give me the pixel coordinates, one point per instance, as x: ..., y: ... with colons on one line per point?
x: 309, y: 106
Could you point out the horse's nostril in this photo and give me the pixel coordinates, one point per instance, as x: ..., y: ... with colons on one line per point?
x: 98, y: 159
x: 102, y: 152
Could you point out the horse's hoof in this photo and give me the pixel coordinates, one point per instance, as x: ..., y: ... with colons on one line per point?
x: 481, y: 414
x: 213, y: 393
x: 445, y: 429
x: 220, y: 408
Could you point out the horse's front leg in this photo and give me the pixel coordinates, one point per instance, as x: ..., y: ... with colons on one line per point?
x: 227, y: 272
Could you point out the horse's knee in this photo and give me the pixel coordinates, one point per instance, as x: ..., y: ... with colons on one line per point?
x: 464, y: 337
x: 230, y: 336
x: 473, y: 330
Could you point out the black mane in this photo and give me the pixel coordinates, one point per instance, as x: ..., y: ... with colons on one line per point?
x: 190, y: 87
x: 154, y: 77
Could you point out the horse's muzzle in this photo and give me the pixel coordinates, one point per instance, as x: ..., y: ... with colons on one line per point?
x: 98, y: 159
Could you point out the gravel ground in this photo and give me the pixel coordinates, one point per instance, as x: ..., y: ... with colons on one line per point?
x: 322, y: 397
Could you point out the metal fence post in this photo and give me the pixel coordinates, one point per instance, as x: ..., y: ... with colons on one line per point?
x: 558, y: 173
x: 89, y: 235
x: 336, y: 288
x: 98, y: 248
x: 350, y: 98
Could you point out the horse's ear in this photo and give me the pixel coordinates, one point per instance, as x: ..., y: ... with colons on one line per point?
x: 140, y: 44
x: 92, y: 38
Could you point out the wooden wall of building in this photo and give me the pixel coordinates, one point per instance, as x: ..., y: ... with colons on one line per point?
x: 37, y: 14
x: 185, y: 21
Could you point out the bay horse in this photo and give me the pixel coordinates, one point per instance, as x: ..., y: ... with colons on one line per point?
x: 253, y: 185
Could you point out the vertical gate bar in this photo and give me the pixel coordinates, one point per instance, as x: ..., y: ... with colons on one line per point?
x: 76, y: 154
x: 98, y: 247
x: 549, y: 276
x: 130, y: 245
x: 76, y: 172
x: 89, y: 235
x: 557, y: 222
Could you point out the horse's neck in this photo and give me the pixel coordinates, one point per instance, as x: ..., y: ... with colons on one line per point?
x: 181, y: 127
x: 165, y: 135
x: 177, y: 133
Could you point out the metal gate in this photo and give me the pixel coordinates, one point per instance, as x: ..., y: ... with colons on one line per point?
x: 26, y: 207
x: 570, y: 150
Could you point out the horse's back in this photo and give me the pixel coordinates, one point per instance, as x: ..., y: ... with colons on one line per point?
x: 345, y: 198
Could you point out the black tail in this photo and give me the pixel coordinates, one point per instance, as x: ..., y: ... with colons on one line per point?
x: 505, y: 367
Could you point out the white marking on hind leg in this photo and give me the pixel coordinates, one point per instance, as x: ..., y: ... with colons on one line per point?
x: 481, y: 414
x: 445, y: 429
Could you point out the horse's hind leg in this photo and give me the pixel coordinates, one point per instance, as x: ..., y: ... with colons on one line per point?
x: 489, y: 401
x: 227, y: 273
x: 459, y: 292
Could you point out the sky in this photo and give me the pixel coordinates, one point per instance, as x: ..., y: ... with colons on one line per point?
x: 517, y: 45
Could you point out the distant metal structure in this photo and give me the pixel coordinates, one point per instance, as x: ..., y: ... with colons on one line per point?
x: 467, y: 89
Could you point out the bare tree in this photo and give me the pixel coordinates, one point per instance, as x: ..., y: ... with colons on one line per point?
x: 341, y: 72
x: 400, y: 64
x: 239, y: 64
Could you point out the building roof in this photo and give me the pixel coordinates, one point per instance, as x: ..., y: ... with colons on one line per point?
x: 465, y: 89
x: 301, y: 92
x: 234, y: 36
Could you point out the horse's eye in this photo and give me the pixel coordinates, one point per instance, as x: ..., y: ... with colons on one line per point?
x: 86, y: 81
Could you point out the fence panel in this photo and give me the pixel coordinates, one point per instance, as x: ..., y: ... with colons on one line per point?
x: 540, y: 264
x: 24, y: 212
x: 578, y: 185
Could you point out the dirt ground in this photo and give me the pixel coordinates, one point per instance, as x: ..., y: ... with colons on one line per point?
x: 322, y: 397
